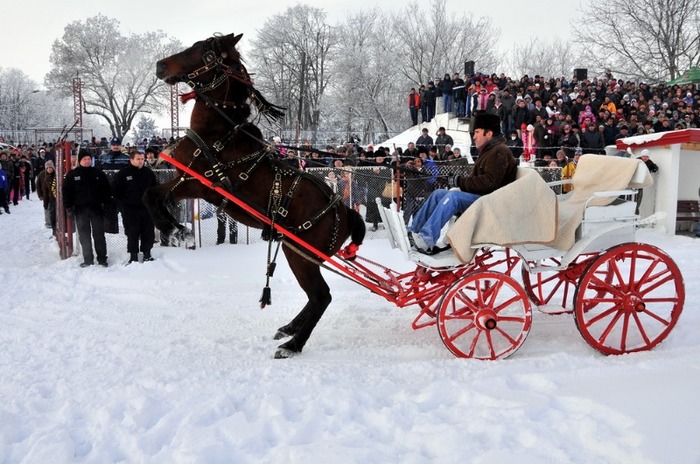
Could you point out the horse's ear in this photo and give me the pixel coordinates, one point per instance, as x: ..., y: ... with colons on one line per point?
x: 237, y: 38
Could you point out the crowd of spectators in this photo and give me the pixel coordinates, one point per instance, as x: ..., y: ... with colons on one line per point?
x: 547, y: 114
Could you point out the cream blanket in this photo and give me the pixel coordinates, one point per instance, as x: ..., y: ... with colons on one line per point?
x: 524, y: 211
x: 528, y: 211
x: 595, y: 173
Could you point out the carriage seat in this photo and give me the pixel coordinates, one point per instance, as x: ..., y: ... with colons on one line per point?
x: 603, y: 193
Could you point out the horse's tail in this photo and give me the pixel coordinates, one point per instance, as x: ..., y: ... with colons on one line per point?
x: 357, y: 227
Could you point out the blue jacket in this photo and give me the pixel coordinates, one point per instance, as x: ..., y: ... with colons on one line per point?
x: 3, y: 179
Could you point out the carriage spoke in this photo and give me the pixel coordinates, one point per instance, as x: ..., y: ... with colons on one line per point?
x: 646, y: 276
x: 657, y: 284
x: 609, y: 327
x: 555, y: 289
x: 600, y: 286
x: 615, y: 309
x: 487, y: 293
x: 617, y: 272
x: 462, y: 331
x: 505, y: 304
x: 472, y: 346
x: 641, y: 329
x: 656, y: 317
x: 468, y: 302
x: 632, y: 271
x: 489, y: 343
x: 520, y: 320
x: 506, y: 335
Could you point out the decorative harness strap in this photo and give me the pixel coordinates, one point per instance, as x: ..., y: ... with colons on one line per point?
x: 216, y: 166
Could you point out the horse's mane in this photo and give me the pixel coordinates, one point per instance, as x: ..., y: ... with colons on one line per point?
x: 270, y: 111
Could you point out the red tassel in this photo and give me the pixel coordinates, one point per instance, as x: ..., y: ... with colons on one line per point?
x: 185, y: 97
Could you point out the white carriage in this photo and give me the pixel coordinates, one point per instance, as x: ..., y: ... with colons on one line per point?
x: 576, y: 253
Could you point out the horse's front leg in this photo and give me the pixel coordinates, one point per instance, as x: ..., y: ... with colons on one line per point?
x: 311, y: 281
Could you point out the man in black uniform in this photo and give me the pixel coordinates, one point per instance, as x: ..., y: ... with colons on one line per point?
x: 115, y: 158
x: 129, y: 186
x: 85, y: 193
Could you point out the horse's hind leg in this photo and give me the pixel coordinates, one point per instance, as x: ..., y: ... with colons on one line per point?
x: 294, y: 325
x: 156, y: 199
x: 311, y: 281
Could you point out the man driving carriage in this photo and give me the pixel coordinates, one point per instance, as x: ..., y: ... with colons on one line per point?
x: 495, y: 167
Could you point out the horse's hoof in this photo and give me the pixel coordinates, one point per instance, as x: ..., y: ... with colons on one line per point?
x: 189, y: 241
x: 284, y: 353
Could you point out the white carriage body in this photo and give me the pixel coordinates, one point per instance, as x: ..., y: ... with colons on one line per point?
x: 601, y: 225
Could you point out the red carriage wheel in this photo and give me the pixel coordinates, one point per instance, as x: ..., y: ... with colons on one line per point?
x: 485, y: 315
x: 553, y: 291
x: 637, y: 308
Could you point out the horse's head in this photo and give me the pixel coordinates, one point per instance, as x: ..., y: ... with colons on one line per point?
x: 202, y: 63
x: 209, y: 64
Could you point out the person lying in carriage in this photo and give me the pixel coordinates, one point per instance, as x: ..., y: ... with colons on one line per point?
x: 495, y: 167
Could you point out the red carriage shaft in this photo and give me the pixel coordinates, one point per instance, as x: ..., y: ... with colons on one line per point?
x: 365, y: 277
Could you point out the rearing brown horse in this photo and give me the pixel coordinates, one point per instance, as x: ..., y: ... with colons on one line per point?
x: 225, y: 147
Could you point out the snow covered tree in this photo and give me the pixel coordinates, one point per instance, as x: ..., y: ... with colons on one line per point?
x: 648, y: 40
x: 366, y: 94
x: 24, y: 106
x: 547, y: 58
x: 292, y: 54
x: 116, y: 70
x: 432, y: 41
x: 145, y: 128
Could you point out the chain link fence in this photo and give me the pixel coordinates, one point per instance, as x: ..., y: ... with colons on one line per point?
x: 358, y: 187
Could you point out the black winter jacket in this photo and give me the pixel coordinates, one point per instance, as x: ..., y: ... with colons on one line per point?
x: 495, y: 168
x: 86, y: 187
x: 131, y: 183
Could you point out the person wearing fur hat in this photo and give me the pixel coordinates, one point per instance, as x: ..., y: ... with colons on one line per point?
x: 495, y: 167
x: 86, y: 192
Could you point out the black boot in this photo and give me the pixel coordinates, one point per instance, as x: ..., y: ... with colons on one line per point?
x: 133, y: 258
x: 147, y: 256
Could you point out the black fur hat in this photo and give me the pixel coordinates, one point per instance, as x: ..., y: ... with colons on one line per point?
x: 488, y: 122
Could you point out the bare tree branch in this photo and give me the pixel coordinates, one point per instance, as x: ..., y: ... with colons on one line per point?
x: 116, y: 71
x: 651, y: 40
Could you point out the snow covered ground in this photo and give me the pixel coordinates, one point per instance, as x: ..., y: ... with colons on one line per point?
x: 171, y: 362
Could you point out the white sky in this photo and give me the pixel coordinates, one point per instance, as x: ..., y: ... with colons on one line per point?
x: 30, y: 27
